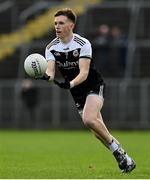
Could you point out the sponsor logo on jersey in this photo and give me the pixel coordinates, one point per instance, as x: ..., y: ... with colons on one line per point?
x: 67, y: 64
x: 57, y: 54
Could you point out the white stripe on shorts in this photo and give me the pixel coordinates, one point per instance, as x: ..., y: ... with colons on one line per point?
x: 100, y: 94
x: 101, y: 89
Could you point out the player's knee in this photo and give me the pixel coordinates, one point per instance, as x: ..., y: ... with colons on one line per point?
x: 89, y: 121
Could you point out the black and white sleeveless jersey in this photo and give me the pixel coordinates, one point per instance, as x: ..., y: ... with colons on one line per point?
x: 67, y: 59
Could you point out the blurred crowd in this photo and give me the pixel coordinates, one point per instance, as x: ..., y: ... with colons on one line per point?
x: 110, y: 49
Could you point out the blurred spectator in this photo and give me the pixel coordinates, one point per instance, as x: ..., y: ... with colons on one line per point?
x: 110, y: 47
x: 103, y: 35
x: 119, y: 42
x: 29, y: 96
x: 102, y: 48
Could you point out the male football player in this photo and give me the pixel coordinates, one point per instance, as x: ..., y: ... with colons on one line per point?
x: 72, y: 54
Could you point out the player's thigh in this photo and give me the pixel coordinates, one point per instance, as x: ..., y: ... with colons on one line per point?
x: 92, y: 106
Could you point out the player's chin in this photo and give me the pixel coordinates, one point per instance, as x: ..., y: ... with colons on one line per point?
x: 58, y: 35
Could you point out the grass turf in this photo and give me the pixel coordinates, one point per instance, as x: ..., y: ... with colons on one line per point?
x: 69, y: 154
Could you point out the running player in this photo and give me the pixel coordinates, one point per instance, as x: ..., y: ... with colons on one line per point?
x: 72, y: 54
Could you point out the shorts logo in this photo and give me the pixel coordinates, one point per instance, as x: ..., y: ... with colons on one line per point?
x: 77, y: 105
x: 91, y: 91
x: 75, y: 53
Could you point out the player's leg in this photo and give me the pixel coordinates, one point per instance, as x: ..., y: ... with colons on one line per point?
x: 98, y: 137
x: 126, y: 163
x: 92, y: 119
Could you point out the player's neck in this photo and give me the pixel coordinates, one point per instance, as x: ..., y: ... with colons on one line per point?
x: 67, y: 39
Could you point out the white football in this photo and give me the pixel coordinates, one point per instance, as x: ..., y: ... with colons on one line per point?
x: 35, y: 65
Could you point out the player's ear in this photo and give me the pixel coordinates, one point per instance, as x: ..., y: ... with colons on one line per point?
x: 72, y: 25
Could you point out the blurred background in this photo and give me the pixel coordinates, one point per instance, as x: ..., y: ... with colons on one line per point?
x: 120, y: 33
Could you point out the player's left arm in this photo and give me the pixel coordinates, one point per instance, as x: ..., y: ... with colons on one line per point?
x: 84, y: 65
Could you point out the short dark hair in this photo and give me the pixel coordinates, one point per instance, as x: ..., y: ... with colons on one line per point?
x: 68, y: 13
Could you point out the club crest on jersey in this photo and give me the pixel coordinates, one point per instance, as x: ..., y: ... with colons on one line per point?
x: 75, y: 53
x: 57, y: 54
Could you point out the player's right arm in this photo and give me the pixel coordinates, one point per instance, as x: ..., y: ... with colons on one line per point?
x: 51, y: 69
x: 50, y: 72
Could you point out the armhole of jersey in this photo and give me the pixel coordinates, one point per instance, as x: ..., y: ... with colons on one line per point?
x: 51, y: 60
x: 88, y: 57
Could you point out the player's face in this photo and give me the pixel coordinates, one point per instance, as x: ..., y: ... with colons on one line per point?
x: 63, y: 26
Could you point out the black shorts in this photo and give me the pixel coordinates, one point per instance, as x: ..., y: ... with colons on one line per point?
x: 81, y: 95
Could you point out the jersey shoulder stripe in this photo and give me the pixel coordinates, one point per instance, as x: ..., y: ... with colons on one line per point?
x: 52, y: 43
x: 79, y: 40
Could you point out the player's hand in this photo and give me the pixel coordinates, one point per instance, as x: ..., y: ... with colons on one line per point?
x: 64, y: 85
x: 44, y: 77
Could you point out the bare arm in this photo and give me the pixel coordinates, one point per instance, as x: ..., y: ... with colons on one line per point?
x: 84, y: 65
x: 51, y: 69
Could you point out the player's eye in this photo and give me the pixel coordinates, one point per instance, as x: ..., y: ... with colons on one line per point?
x: 61, y: 23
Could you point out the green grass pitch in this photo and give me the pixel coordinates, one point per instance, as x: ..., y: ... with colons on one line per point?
x: 69, y: 155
